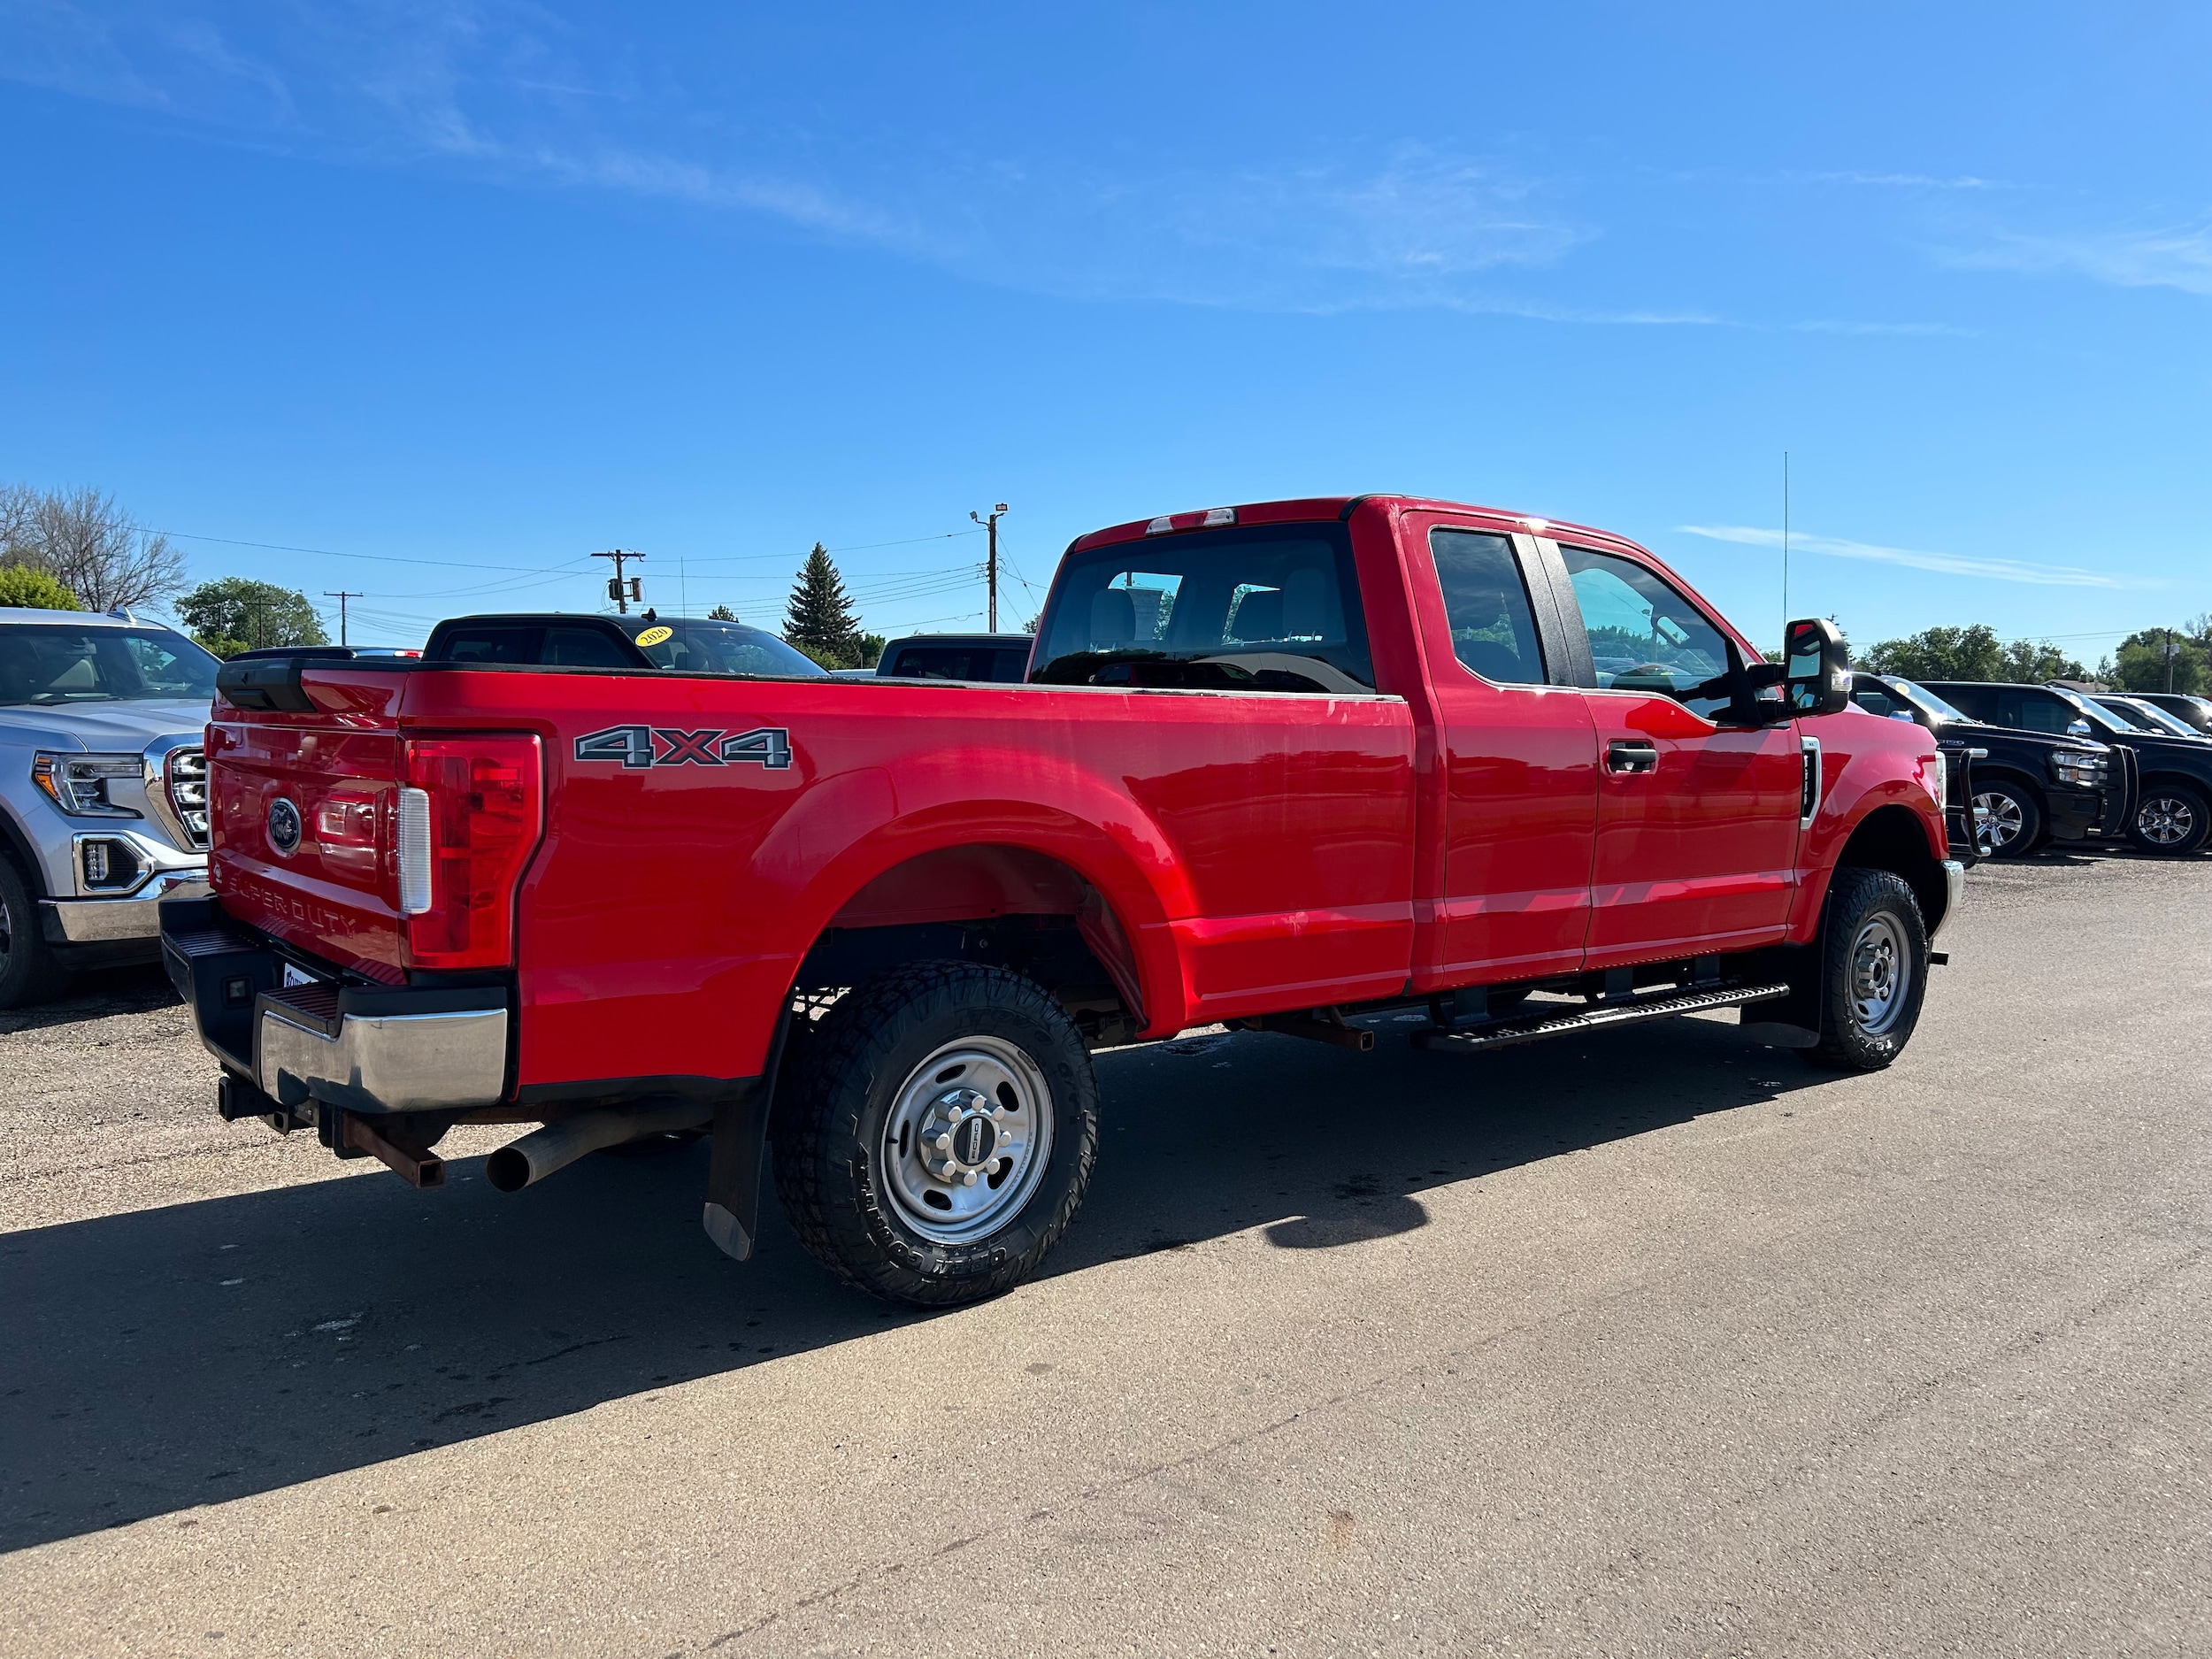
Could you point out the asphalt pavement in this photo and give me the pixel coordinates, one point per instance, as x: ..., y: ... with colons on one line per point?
x: 1648, y: 1342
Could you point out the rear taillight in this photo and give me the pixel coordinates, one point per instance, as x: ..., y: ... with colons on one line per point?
x: 471, y: 809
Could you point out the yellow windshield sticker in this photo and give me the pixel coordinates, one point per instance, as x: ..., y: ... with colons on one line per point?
x: 655, y: 636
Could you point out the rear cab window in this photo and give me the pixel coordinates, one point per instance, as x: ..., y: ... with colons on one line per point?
x: 1486, y: 606
x: 1264, y: 608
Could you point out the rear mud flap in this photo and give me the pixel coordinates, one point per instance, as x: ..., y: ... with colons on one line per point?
x: 732, y: 1217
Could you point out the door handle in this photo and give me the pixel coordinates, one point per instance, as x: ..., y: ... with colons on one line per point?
x: 1628, y: 754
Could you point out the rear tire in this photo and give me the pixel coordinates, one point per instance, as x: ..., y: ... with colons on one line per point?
x: 2170, y: 821
x: 940, y: 1135
x: 2009, y: 818
x: 1874, y: 971
x: 29, y: 972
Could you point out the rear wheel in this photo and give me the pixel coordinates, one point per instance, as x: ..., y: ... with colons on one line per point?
x: 940, y: 1133
x: 1874, y: 971
x: 2008, y: 819
x: 29, y: 972
x: 2171, y: 819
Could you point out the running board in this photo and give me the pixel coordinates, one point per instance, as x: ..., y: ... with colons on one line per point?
x: 1504, y: 1033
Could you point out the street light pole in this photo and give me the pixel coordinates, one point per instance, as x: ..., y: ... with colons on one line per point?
x: 990, y: 566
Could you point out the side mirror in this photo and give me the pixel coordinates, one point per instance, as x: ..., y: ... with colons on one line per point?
x: 1818, y: 667
x: 2078, y: 727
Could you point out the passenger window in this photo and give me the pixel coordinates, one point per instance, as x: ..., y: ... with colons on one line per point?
x: 1644, y: 635
x: 1874, y: 703
x: 2041, y: 711
x: 583, y: 647
x: 1494, y: 627
x: 492, y: 645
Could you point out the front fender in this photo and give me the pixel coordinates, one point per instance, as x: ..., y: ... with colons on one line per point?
x: 1854, y: 787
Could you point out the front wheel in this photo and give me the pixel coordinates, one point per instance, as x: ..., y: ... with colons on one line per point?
x: 29, y: 972
x: 1874, y: 971
x: 940, y: 1134
x: 2008, y: 819
x: 2171, y: 819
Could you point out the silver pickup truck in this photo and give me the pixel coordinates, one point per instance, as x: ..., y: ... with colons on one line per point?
x: 102, y: 790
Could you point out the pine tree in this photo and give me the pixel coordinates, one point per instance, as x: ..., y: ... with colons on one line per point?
x: 819, y: 620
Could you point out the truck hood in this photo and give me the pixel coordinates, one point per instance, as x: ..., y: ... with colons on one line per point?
x: 119, y: 728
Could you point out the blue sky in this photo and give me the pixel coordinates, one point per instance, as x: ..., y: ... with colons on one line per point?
x: 466, y: 293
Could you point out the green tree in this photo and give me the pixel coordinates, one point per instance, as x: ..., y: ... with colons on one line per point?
x: 237, y: 614
x: 2162, y: 659
x: 819, y: 618
x: 1968, y: 653
x: 721, y: 613
x: 34, y: 590
x: 871, y: 650
x: 1973, y: 652
x: 2030, y: 664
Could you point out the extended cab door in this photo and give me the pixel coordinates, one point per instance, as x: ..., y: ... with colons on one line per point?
x: 1519, y: 755
x: 1697, y: 822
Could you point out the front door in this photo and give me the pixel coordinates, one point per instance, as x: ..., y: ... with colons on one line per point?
x: 1697, y: 822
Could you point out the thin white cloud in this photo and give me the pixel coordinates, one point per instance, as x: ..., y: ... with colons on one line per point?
x: 1943, y: 564
x: 1909, y: 180
x: 1841, y: 326
x: 2172, y: 257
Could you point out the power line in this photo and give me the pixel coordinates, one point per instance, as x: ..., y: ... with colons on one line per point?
x: 342, y: 595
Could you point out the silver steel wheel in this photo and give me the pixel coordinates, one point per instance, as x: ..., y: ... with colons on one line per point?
x: 2166, y: 820
x: 967, y: 1139
x: 1881, y: 974
x: 1997, y: 821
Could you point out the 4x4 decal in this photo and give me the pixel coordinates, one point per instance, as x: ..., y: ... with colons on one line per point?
x: 633, y: 746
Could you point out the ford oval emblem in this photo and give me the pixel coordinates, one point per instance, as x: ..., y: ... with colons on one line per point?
x: 284, y: 827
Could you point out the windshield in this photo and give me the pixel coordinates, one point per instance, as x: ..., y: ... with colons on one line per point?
x: 54, y: 664
x: 1270, y: 608
x: 722, y: 647
x: 2101, y: 717
x: 1913, y: 691
x: 2148, y: 716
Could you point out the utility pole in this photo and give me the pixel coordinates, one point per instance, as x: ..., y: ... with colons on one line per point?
x: 624, y: 593
x: 342, y: 595
x: 990, y: 567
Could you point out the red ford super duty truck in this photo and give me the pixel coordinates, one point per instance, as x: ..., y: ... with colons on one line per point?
x: 1285, y: 765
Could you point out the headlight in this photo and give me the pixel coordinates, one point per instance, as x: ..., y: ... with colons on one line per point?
x: 1939, y: 776
x: 2079, y: 767
x: 78, y: 784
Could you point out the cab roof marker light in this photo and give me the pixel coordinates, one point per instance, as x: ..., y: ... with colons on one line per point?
x: 1160, y: 526
x: 1220, y: 516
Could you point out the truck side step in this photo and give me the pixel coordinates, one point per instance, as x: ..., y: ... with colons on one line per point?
x: 1531, y: 1028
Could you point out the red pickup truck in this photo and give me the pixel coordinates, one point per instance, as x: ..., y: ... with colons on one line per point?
x: 1286, y: 765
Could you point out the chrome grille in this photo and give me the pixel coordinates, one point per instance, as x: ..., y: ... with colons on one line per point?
x: 187, y: 784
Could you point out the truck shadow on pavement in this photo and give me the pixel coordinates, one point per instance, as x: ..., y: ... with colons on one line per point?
x: 170, y: 1358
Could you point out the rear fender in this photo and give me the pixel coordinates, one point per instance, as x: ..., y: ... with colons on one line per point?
x: 1105, y: 838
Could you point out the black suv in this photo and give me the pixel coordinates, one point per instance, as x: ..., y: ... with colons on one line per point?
x: 2171, y: 813
x: 2028, y: 788
x: 564, y: 639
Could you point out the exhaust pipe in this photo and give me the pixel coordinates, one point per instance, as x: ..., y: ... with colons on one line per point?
x: 556, y: 1146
